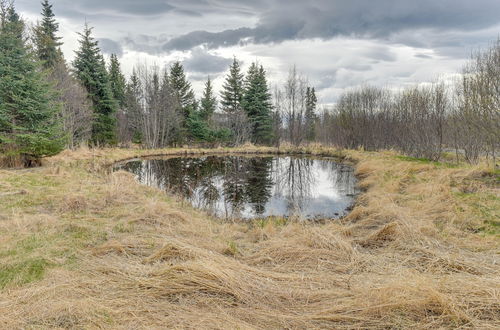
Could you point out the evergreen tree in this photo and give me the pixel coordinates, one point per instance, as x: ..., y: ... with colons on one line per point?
x: 75, y: 111
x: 117, y: 81
x: 231, y: 102
x: 184, y: 93
x: 29, y: 125
x: 133, y: 109
x: 208, y: 102
x: 311, y: 102
x: 198, y: 128
x: 257, y: 105
x: 199, y: 123
x: 182, y: 89
x: 46, y: 40
x: 90, y: 69
x: 232, y: 93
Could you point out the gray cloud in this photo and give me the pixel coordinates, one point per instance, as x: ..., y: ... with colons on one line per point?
x: 103, y: 7
x: 127, y: 8
x: 423, y: 56
x: 109, y: 46
x: 298, y: 20
x: 379, y: 53
x: 276, y: 21
x: 211, y: 40
x: 145, y: 43
x: 203, y: 62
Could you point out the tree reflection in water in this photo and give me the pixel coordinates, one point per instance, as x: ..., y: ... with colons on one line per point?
x: 251, y: 187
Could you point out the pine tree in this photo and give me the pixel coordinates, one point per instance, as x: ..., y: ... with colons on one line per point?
x: 117, y: 81
x: 232, y: 93
x: 231, y: 102
x: 75, y: 111
x: 311, y: 102
x: 184, y: 93
x: 208, y: 102
x: 257, y: 105
x: 46, y: 40
x: 29, y: 125
x: 133, y: 108
x: 90, y: 69
x: 182, y: 89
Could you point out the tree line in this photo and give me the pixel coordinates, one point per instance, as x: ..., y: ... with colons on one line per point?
x: 424, y: 120
x: 47, y: 105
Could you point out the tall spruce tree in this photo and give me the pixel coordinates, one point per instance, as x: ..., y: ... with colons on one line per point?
x: 182, y: 88
x: 90, y: 69
x: 117, y: 81
x: 75, y: 107
x: 257, y: 104
x: 208, y: 103
x: 310, y: 115
x: 232, y: 93
x: 231, y: 104
x: 184, y: 93
x: 29, y: 125
x: 46, y: 40
x: 133, y: 108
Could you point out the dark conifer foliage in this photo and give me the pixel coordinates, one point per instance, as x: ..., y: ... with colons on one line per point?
x: 232, y: 93
x: 200, y: 122
x: 182, y: 88
x: 46, y: 40
x: 117, y: 80
x: 311, y: 104
x: 257, y: 105
x: 29, y: 125
x: 184, y: 93
x: 131, y: 121
x: 90, y: 69
x: 232, y: 104
x: 208, y: 103
x: 76, y: 113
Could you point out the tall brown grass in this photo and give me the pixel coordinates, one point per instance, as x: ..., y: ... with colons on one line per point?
x: 414, y: 252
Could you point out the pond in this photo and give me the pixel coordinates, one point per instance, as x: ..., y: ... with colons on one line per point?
x: 248, y: 187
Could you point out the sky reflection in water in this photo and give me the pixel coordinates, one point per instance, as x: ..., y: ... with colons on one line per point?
x: 243, y: 187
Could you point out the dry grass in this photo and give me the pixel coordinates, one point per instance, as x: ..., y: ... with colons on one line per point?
x: 83, y: 248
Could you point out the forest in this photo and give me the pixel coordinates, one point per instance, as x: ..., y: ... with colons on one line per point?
x: 48, y: 105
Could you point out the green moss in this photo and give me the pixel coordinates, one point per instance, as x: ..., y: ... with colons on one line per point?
x: 485, y: 206
x: 23, y: 272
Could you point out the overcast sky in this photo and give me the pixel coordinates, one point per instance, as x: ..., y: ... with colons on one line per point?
x: 337, y: 44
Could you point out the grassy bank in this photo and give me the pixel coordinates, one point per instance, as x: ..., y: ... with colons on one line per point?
x: 82, y: 247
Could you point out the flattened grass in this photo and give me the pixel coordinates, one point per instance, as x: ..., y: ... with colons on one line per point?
x: 86, y: 248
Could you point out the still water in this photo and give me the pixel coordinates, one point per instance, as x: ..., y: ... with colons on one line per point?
x: 243, y: 187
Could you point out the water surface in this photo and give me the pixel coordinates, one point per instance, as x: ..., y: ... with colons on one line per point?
x: 244, y: 187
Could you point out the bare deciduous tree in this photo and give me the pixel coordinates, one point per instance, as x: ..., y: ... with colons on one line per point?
x: 154, y: 108
x: 290, y: 104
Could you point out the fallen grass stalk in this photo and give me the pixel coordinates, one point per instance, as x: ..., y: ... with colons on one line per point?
x: 86, y: 248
